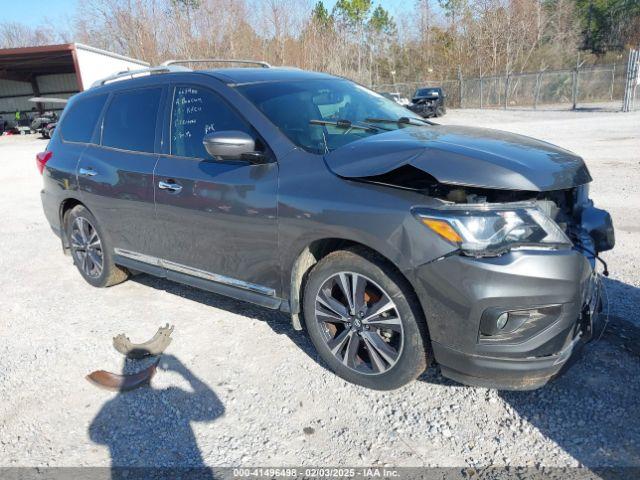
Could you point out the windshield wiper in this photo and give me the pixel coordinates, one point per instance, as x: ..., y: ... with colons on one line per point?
x: 401, y: 121
x: 348, y: 125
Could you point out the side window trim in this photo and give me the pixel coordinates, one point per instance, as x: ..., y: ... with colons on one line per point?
x: 104, y: 114
x: 157, y: 140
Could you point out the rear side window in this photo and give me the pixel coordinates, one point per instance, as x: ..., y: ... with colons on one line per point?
x: 78, y: 124
x: 130, y: 121
x: 196, y: 112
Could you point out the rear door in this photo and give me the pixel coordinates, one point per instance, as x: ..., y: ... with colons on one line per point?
x: 220, y: 222
x: 116, y: 176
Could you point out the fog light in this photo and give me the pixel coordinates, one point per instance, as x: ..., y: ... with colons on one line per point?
x: 502, y: 320
x: 496, y: 322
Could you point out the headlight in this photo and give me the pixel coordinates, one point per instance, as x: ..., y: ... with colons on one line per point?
x: 492, y: 229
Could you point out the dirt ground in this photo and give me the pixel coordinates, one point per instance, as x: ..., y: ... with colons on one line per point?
x: 239, y: 386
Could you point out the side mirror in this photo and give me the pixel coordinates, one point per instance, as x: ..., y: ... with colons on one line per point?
x: 229, y: 144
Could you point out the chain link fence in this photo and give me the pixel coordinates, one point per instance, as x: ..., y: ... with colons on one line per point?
x: 577, y: 88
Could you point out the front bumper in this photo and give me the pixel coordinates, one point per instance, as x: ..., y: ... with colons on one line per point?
x: 424, y: 109
x: 456, y: 291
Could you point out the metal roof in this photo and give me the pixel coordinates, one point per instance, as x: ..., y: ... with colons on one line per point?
x: 22, y: 64
x: 82, y: 46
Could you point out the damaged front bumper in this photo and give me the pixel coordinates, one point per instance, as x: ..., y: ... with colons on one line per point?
x: 425, y: 109
x: 546, y: 302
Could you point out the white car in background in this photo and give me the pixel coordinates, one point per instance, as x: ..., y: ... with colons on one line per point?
x: 396, y: 97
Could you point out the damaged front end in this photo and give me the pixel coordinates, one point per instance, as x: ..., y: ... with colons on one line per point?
x: 519, y: 290
x: 524, y: 283
x: 496, y: 221
x: 485, y: 176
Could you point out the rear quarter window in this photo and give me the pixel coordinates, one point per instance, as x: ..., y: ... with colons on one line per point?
x: 79, y: 123
x: 130, y: 120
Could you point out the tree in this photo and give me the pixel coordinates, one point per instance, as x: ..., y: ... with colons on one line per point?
x: 358, y: 39
x: 320, y: 15
x: 607, y: 24
x: 381, y: 21
x: 14, y: 34
x: 453, y: 9
x: 353, y: 12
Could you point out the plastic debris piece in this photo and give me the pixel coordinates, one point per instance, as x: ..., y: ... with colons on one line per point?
x: 155, y: 346
x: 121, y: 383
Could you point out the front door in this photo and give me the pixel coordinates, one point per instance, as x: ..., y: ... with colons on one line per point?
x: 116, y: 177
x: 217, y: 219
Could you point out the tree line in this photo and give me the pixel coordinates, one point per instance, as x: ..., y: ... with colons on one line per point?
x: 360, y: 39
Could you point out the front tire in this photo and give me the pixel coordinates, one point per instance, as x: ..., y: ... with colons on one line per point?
x: 365, y: 321
x: 89, y: 249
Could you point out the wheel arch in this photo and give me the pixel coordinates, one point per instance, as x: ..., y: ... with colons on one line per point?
x: 315, y: 251
x: 65, y: 207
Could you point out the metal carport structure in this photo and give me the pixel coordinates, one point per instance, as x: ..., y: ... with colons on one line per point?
x: 53, y: 71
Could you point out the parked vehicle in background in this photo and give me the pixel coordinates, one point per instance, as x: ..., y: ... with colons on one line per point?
x: 47, y: 131
x: 428, y: 102
x: 396, y: 97
x: 393, y: 241
x: 24, y: 130
x: 39, y: 122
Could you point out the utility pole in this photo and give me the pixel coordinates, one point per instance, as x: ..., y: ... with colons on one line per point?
x: 632, y: 80
x: 460, y: 90
x: 481, y: 92
x: 506, y: 91
x: 536, y: 96
x: 574, y: 83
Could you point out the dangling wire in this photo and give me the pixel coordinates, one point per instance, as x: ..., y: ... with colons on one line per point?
x: 605, y: 270
x: 606, y: 321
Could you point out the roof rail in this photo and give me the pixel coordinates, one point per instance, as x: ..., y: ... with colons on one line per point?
x: 142, y: 71
x: 216, y: 60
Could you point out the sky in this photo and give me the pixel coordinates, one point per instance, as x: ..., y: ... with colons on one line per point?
x: 35, y: 12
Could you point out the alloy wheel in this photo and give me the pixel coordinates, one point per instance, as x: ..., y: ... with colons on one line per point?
x: 86, y: 247
x: 359, y: 322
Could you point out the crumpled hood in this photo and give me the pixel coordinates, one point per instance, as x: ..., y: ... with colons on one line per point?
x: 476, y: 157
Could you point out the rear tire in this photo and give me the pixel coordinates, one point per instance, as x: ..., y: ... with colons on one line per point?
x: 91, y: 253
x: 381, y: 351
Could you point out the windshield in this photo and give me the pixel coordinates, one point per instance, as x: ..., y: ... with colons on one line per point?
x: 428, y: 92
x: 292, y: 105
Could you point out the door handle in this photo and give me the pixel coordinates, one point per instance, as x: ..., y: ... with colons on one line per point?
x: 170, y: 187
x: 87, y: 172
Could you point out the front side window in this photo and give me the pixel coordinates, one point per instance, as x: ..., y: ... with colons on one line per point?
x: 196, y: 112
x: 291, y: 106
x: 78, y: 124
x: 130, y: 121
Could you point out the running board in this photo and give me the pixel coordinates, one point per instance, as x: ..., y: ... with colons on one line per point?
x: 153, y: 266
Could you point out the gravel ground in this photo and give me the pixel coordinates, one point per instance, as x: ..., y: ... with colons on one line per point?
x: 238, y: 386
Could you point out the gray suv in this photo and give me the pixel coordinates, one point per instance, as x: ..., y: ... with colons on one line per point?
x: 394, y: 242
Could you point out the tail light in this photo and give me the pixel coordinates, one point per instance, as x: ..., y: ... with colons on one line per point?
x: 41, y: 160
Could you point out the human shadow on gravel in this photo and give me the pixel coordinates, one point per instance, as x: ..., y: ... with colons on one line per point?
x: 148, y: 430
